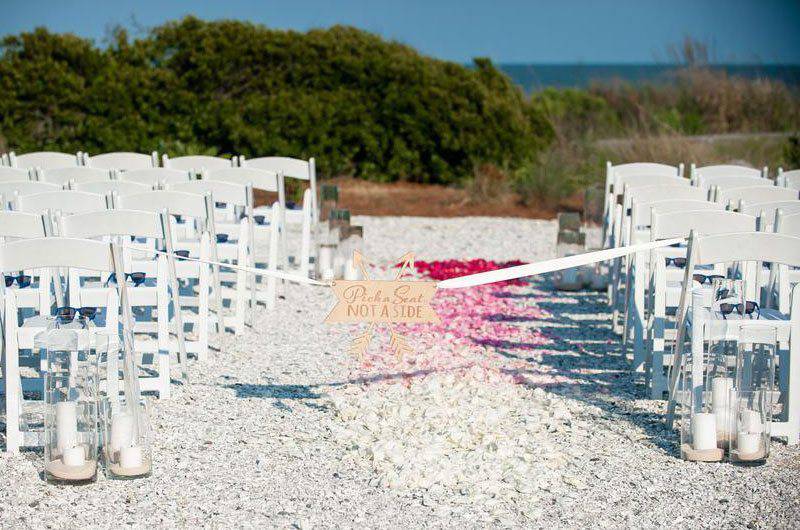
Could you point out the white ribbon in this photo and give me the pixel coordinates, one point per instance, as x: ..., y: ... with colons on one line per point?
x: 263, y: 272
x: 552, y: 265
x: 471, y: 280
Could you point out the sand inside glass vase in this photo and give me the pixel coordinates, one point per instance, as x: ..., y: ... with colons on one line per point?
x: 60, y: 471
x: 702, y: 455
x: 130, y: 471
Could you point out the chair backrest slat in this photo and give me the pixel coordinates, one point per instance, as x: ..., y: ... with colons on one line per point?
x: 44, y: 160
x: 56, y: 252
x: 79, y: 174
x: 290, y: 167
x: 175, y: 202
x: 155, y: 176
x: 14, y: 174
x: 641, y: 211
x: 119, y: 222
x: 25, y: 187
x: 197, y: 163
x: 66, y: 201
x: 222, y: 191
x: 681, y: 223
x: 756, y: 194
x: 791, y: 179
x: 770, y: 207
x: 124, y: 161
x: 710, y: 249
x: 21, y: 224
x: 260, y: 179
x: 120, y: 187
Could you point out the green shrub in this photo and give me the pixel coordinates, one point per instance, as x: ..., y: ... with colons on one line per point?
x: 791, y: 152
x: 362, y: 106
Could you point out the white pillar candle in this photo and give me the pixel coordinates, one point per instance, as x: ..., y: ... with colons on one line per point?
x: 748, y: 443
x: 704, y: 431
x: 350, y: 271
x: 73, y: 456
x: 338, y: 267
x: 66, y: 425
x: 721, y: 393
x: 121, y: 431
x: 131, y: 456
x: 751, y: 422
x: 725, y: 421
x: 325, y: 261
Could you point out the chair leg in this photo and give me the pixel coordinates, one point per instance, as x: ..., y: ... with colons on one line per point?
x: 11, y: 380
x: 163, y: 360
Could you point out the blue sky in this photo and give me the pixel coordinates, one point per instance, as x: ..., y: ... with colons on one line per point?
x: 562, y: 31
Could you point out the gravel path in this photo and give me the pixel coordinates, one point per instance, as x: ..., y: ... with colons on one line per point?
x: 539, y: 426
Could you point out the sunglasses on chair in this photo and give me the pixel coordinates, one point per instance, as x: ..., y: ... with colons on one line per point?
x: 747, y: 308
x: 702, y: 278
x: 678, y: 262
x: 23, y: 280
x: 137, y: 278
x: 67, y: 314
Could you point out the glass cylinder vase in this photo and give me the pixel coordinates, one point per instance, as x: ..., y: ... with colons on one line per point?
x: 124, y: 414
x: 70, y: 446
x: 754, y: 396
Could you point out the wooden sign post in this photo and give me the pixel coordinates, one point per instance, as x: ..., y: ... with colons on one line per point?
x: 382, y: 302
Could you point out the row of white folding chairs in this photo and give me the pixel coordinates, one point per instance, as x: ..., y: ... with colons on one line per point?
x: 45, y: 254
x: 635, y: 227
x: 709, y: 180
x: 294, y: 168
x: 193, y: 200
x: 654, y: 286
x: 747, y: 249
x: 91, y: 179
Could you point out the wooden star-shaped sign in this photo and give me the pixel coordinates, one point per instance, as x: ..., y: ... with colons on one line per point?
x: 382, y: 302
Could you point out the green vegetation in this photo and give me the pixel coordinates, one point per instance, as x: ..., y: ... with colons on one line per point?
x: 360, y: 105
x: 369, y: 108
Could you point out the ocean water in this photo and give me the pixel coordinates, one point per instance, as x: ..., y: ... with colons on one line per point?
x: 533, y: 77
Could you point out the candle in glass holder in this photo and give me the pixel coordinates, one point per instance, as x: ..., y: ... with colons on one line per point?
x: 720, y: 392
x: 66, y: 425
x: 74, y: 456
x: 704, y: 431
x: 121, y: 431
x: 748, y: 443
x: 131, y: 456
x: 751, y: 422
x: 350, y: 271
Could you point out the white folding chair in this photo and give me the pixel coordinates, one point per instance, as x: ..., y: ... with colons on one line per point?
x: 272, y: 182
x: 748, y: 249
x: 733, y: 197
x: 151, y: 232
x: 111, y: 187
x: 233, y: 221
x: 122, y: 161
x: 638, y: 276
x: 201, y: 280
x: 13, y: 174
x: 197, y: 163
x: 634, y: 168
x: 624, y: 185
x: 49, y: 252
x: 665, y: 288
x: 788, y: 179
x: 156, y: 177
x: 295, y: 168
x: 66, y: 175
x: 44, y: 160
x: 10, y: 191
